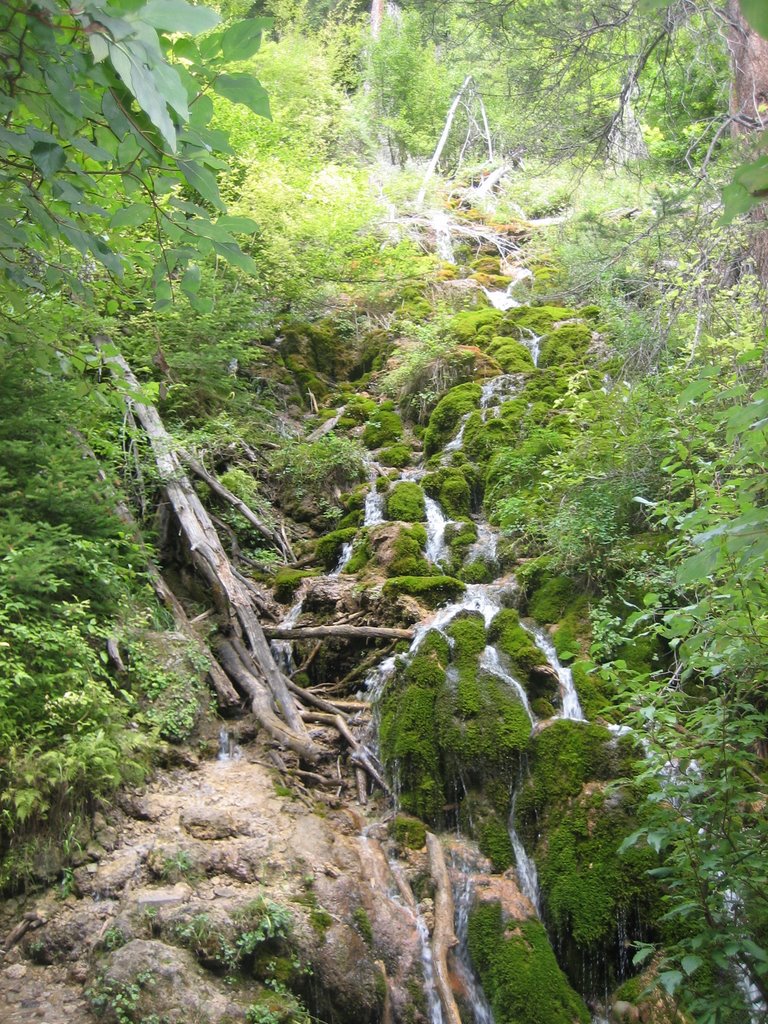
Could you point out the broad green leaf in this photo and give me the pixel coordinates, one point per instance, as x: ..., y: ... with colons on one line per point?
x: 240, y: 225
x: 99, y: 46
x: 131, y: 216
x: 670, y: 980
x: 756, y: 13
x: 190, y: 282
x: 179, y: 16
x: 233, y: 254
x: 242, y: 40
x: 245, y: 89
x: 203, y: 181
x: 643, y: 954
x: 48, y: 157
x: 691, y: 963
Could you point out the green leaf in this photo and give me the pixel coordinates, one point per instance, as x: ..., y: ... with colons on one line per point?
x: 643, y: 954
x: 190, y: 282
x: 203, y: 181
x: 756, y: 13
x: 690, y: 963
x: 240, y: 225
x: 131, y: 216
x: 242, y: 40
x: 48, y: 157
x: 245, y: 89
x: 670, y: 980
x: 179, y: 16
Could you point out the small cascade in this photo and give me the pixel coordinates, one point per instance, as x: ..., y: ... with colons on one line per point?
x: 441, y: 225
x: 485, y: 547
x: 436, y: 524
x: 490, y: 660
x: 282, y: 650
x: 346, y: 554
x: 502, y: 300
x: 456, y: 444
x: 434, y: 1007
x: 462, y: 897
x: 228, y: 748
x: 533, y: 343
x: 374, y: 500
x: 496, y: 391
x: 571, y: 708
x: 478, y: 597
x: 526, y: 869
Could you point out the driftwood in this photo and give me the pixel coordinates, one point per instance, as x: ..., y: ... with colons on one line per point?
x: 322, y: 632
x: 209, y: 558
x: 308, y: 697
x: 261, y: 703
x: 232, y: 499
x: 443, y: 935
x: 226, y: 693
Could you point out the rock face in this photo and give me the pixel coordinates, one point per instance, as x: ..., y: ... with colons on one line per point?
x: 221, y: 895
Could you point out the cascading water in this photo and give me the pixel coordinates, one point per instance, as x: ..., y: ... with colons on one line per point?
x: 463, y: 896
x: 441, y: 225
x: 571, y: 708
x: 344, y: 557
x: 282, y: 650
x: 374, y: 500
x: 436, y: 524
x: 527, y: 875
x: 501, y: 299
x: 228, y: 748
x: 490, y: 660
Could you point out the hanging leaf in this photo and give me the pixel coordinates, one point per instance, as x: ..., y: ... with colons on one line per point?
x: 48, y: 157
x: 179, y: 16
x: 192, y: 279
x: 242, y: 40
x: 203, y: 181
x: 131, y: 216
x: 245, y: 89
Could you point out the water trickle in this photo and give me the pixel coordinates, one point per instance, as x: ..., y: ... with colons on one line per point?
x: 498, y: 390
x: 346, y: 554
x: 282, y: 650
x: 436, y: 524
x: 434, y: 1007
x: 228, y: 749
x: 478, y: 597
x: 463, y: 897
x: 374, y: 501
x: 441, y: 225
x: 490, y: 660
x: 526, y: 869
x: 457, y: 442
x: 533, y: 343
x: 501, y: 299
x: 571, y: 708
x: 485, y: 546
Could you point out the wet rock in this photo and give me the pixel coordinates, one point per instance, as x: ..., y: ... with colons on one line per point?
x: 346, y: 977
x: 209, y: 823
x: 113, y: 876
x: 154, y: 899
x: 622, y: 1011
x: 169, y: 983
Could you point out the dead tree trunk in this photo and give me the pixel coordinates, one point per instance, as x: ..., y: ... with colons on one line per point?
x: 209, y: 558
x: 442, y: 141
x: 749, y: 112
x: 331, y: 632
x: 443, y: 935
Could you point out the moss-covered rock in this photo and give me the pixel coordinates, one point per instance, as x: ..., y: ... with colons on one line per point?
x: 398, y: 456
x: 450, y: 488
x: 444, y: 421
x: 475, y: 326
x: 510, y: 637
x: 405, y: 502
x: 288, y: 581
x: 409, y: 832
x: 360, y: 409
x: 408, y: 553
x: 511, y: 355
x: 429, y: 590
x: 537, y: 320
x: 328, y: 548
x: 519, y: 972
x: 383, y: 428
x: 565, y: 345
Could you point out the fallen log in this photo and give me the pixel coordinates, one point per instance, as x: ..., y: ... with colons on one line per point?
x: 261, y: 703
x: 329, y: 632
x: 210, y: 559
x: 237, y: 503
x: 443, y: 935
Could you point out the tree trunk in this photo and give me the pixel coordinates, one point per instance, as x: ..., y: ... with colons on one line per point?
x: 749, y: 111
x: 443, y: 935
x: 208, y: 556
x: 330, y: 632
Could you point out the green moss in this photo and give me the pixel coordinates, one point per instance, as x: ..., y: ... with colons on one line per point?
x: 538, y: 320
x: 450, y: 488
x: 446, y: 415
x: 361, y: 556
x: 363, y: 925
x: 473, y: 326
x: 565, y: 345
x: 459, y: 538
x: 542, y: 708
x: 519, y: 972
x: 383, y: 428
x: 430, y: 590
x: 408, y: 553
x: 512, y: 356
x: 359, y: 409
x: 397, y: 456
x: 328, y: 548
x: 486, y: 265
x: 287, y: 582
x: 493, y: 840
x: 320, y: 920
x: 405, y: 502
x: 565, y: 756
x: 467, y: 631
x: 479, y: 571
x: 515, y: 642
x: 409, y: 832
x: 550, y: 597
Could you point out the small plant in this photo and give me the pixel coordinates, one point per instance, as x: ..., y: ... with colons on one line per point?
x: 122, y: 1001
x: 114, y: 937
x: 177, y: 866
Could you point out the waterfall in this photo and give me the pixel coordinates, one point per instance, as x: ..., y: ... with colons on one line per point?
x: 282, y: 650
x: 463, y: 892
x: 486, y: 544
x: 501, y: 299
x: 456, y: 444
x: 490, y: 660
x: 496, y: 391
x: 228, y: 748
x: 436, y: 524
x: 374, y: 501
x: 571, y: 708
x: 441, y: 224
x: 526, y: 869
x: 346, y: 554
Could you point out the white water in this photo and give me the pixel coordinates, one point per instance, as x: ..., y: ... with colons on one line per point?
x: 526, y: 869
x: 282, y: 650
x: 434, y: 1007
x: 478, y: 597
x: 228, y: 749
x: 463, y: 898
x: 374, y: 501
x: 501, y: 299
x: 485, y: 546
x: 571, y: 708
x: 490, y: 660
x: 441, y: 224
x: 346, y: 554
x: 496, y: 391
x: 436, y: 524
x: 457, y: 442
x: 533, y: 343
